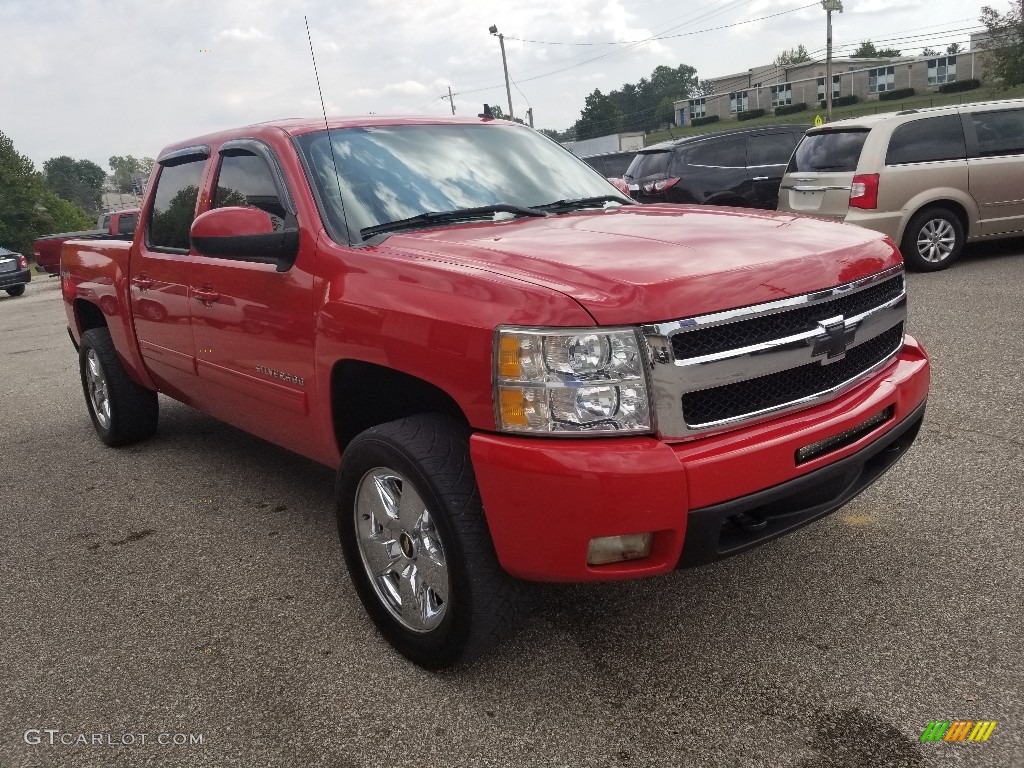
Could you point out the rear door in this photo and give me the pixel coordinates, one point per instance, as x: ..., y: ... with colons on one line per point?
x: 767, y: 157
x: 820, y: 173
x: 996, y: 173
x: 160, y: 273
x: 715, y: 172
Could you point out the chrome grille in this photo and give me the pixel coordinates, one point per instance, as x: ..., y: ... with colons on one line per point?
x: 730, y: 368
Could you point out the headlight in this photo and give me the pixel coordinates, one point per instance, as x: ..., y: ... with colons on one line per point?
x: 579, y: 380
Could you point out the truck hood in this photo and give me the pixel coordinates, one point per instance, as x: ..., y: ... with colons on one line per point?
x: 648, y: 263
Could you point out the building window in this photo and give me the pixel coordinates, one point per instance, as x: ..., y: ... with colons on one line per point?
x: 835, y: 87
x: 698, y: 108
x: 941, y: 70
x: 881, y: 79
x: 782, y: 95
x: 738, y: 101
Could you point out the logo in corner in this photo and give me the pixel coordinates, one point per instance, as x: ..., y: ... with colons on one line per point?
x: 958, y: 730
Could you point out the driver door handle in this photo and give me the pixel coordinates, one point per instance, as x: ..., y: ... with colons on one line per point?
x: 142, y: 282
x: 760, y: 178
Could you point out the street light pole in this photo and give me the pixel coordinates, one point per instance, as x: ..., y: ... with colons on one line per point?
x: 504, y: 63
x: 829, y: 6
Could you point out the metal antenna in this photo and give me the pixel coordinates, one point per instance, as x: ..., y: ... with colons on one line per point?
x: 334, y: 160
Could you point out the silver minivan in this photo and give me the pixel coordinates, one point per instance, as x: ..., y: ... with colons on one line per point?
x: 931, y: 179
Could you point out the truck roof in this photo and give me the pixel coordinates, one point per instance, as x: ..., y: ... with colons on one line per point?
x: 297, y: 126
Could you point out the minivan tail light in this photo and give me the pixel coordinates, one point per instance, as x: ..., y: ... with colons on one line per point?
x: 864, y: 191
x: 660, y: 185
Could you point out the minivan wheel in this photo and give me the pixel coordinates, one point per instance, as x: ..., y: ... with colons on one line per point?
x: 933, y: 240
x: 417, y: 545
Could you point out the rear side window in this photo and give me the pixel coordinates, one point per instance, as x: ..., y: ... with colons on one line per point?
x: 724, y: 154
x: 928, y: 140
x: 174, y: 205
x: 126, y: 224
x: 1000, y: 133
x: 245, y: 180
x: 828, y: 151
x: 770, y: 149
x: 610, y: 165
x: 649, y: 164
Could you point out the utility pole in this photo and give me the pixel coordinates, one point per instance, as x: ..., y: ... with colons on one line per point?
x: 450, y: 98
x: 529, y: 115
x: 829, y: 6
x: 504, y: 63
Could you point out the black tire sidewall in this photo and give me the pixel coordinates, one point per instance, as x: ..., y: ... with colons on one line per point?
x: 445, y: 644
x: 16, y: 291
x: 909, y: 245
x: 94, y: 339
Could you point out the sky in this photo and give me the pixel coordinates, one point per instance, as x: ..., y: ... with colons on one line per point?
x: 95, y: 78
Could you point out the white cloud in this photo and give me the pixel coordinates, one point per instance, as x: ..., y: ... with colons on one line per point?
x: 241, y: 34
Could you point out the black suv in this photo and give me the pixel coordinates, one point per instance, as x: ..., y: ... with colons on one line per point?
x: 742, y: 168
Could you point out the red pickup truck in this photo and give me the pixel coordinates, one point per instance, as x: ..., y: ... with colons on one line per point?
x: 519, y: 373
x: 116, y: 225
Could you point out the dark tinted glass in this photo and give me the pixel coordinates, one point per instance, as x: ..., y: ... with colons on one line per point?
x: 126, y: 224
x: 649, y: 164
x: 245, y: 180
x: 928, y: 140
x: 1000, y: 133
x: 174, y: 205
x: 727, y: 154
x: 770, y: 149
x: 613, y: 165
x: 828, y: 151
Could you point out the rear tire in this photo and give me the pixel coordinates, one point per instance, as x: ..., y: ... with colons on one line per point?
x: 417, y: 545
x: 17, y: 290
x: 934, y: 239
x: 121, y: 411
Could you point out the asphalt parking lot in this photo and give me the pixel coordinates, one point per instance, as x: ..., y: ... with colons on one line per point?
x: 193, y: 586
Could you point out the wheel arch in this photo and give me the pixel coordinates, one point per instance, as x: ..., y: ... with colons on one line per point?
x: 955, y: 206
x: 365, y: 394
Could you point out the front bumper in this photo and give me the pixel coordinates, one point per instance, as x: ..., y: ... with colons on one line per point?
x: 18, y: 277
x: 545, y: 499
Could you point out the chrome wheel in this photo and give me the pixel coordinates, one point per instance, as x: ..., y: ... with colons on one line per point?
x: 401, y: 550
x: 936, y: 240
x: 96, y: 383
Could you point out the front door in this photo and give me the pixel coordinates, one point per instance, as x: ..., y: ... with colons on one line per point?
x: 253, y: 325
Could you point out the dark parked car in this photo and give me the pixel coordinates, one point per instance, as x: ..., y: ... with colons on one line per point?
x: 14, y: 272
x: 611, y: 164
x: 741, y: 168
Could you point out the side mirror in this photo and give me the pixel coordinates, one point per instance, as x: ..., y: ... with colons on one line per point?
x: 621, y: 185
x: 245, y: 234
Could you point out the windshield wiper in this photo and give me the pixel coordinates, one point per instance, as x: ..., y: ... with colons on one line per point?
x: 576, y: 204
x: 440, y: 217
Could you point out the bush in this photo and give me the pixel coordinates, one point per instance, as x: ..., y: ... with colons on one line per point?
x: 750, y: 114
x: 902, y: 93
x: 704, y: 120
x: 842, y: 101
x: 790, y: 109
x: 959, y: 85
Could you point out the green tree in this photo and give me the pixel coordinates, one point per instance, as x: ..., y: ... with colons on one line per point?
x: 929, y: 52
x: 666, y: 112
x: 80, y: 181
x: 28, y: 208
x: 599, y: 117
x: 790, y: 56
x: 867, y: 50
x: 1005, y: 60
x: 953, y: 48
x: 125, y: 166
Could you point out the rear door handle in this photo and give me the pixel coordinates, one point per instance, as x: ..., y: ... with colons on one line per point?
x: 205, y: 296
x: 760, y: 178
x: 142, y: 283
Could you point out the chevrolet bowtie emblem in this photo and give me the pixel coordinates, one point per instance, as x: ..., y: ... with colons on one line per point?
x: 835, y: 340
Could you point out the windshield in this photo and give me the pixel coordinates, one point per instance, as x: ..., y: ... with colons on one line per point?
x: 392, y: 173
x: 828, y: 151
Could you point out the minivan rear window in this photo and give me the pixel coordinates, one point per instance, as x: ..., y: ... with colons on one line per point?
x: 649, y: 164
x: 928, y: 140
x: 828, y: 151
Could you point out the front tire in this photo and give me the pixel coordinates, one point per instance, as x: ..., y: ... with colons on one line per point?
x: 17, y: 290
x: 933, y: 241
x: 417, y: 545
x: 121, y: 411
